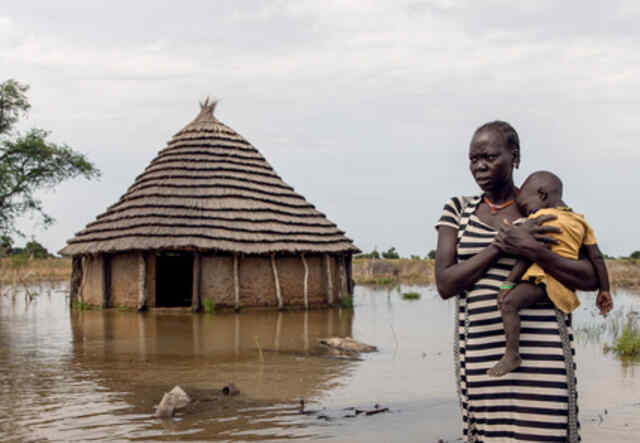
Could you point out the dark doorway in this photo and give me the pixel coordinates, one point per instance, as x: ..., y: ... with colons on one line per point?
x: 174, y: 279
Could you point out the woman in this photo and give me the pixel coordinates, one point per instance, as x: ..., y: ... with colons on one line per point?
x: 476, y: 245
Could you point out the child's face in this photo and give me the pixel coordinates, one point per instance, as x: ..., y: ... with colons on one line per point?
x: 529, y: 199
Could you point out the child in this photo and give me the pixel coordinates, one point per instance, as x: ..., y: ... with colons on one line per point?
x: 541, y: 194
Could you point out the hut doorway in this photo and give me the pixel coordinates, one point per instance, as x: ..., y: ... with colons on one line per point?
x: 174, y: 279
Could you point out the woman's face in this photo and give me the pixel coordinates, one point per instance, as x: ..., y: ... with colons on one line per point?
x: 490, y: 161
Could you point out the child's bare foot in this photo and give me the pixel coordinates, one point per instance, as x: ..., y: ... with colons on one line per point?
x: 506, y: 364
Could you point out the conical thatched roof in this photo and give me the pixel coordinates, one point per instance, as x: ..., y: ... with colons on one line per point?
x: 209, y: 189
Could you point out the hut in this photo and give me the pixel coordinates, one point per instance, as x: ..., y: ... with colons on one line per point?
x: 209, y: 222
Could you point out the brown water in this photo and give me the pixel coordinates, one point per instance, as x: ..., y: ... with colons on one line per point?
x: 96, y: 375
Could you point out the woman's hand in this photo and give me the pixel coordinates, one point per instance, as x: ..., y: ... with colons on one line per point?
x: 524, y: 239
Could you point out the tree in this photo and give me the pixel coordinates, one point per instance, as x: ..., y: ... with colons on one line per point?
x: 635, y: 255
x: 36, y: 250
x: 29, y: 162
x: 390, y: 253
x: 432, y: 254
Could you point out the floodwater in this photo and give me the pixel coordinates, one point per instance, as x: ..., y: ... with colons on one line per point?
x: 84, y: 375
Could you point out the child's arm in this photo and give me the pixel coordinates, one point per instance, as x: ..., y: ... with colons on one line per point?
x: 513, y: 278
x: 603, y: 299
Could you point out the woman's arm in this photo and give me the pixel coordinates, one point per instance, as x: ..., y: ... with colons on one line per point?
x: 519, y: 240
x: 452, y: 277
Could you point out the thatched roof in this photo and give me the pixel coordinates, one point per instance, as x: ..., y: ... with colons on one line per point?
x: 209, y: 189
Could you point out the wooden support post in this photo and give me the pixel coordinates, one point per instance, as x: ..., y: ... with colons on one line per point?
x: 276, y: 280
x: 196, y: 301
x: 349, y: 270
x: 327, y: 266
x: 142, y: 282
x: 342, y: 275
x: 306, y: 281
x: 76, y: 278
x: 105, y: 282
x: 236, y: 282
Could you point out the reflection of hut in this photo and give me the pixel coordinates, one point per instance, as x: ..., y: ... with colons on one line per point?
x: 210, y: 218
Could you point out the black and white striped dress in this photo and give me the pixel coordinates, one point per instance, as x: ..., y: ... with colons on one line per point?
x: 537, y: 401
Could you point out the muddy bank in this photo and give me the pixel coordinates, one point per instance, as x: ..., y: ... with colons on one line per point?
x: 622, y: 273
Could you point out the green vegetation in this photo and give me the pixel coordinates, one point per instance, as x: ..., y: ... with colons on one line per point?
x: 635, y: 255
x: 346, y: 302
x: 391, y: 253
x: 627, y: 344
x: 209, y: 305
x: 79, y: 305
x: 372, y: 254
x: 432, y: 254
x: 411, y: 296
x: 385, y: 281
x: 29, y: 163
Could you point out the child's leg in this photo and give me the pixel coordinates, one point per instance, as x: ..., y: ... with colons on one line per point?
x: 522, y: 296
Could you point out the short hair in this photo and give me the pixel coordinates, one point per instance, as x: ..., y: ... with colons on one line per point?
x: 546, y: 180
x: 508, y: 134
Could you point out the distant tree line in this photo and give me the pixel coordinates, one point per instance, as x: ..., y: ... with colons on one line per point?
x: 392, y: 253
x: 32, y: 249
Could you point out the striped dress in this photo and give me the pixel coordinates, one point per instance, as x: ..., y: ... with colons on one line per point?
x: 537, y: 401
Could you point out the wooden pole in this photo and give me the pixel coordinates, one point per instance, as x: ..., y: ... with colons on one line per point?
x: 306, y: 281
x: 342, y: 275
x: 142, y: 282
x: 76, y: 278
x: 276, y: 280
x: 236, y: 282
x: 106, y: 281
x: 349, y: 270
x: 196, y: 301
x: 327, y: 266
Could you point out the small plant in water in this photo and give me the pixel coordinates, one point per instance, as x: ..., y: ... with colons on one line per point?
x: 385, y: 281
x: 346, y: 302
x: 79, y: 305
x: 411, y: 296
x: 209, y: 305
x: 627, y: 345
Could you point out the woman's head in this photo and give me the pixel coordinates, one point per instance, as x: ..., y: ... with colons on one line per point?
x: 493, y: 153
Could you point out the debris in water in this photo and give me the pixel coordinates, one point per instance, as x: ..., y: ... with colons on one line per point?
x: 347, y: 344
x: 230, y: 389
x: 172, y: 401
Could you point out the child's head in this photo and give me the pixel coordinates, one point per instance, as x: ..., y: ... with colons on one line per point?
x: 541, y: 189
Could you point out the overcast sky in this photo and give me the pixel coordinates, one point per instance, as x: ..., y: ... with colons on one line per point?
x: 365, y: 107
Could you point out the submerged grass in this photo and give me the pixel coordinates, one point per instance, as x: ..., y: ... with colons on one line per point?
x: 209, y: 305
x: 346, y: 302
x: 411, y: 296
x: 627, y: 344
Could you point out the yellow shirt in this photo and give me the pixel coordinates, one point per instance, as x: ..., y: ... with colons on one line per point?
x: 575, y: 233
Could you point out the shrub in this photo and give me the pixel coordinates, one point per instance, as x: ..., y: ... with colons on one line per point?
x: 432, y: 254
x: 635, y: 255
x: 628, y: 343
x: 411, y: 296
x: 390, y: 253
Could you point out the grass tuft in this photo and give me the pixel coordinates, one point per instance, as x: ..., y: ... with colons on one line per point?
x: 79, y: 305
x: 627, y: 345
x: 346, y: 302
x: 209, y: 305
x: 411, y: 296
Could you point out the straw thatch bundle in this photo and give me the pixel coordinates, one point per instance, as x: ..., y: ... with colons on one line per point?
x: 210, y: 189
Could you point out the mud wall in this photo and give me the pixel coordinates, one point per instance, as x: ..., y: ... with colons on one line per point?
x: 125, y: 279
x: 255, y: 276
x: 257, y: 284
x: 216, y: 280
x: 92, y: 280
